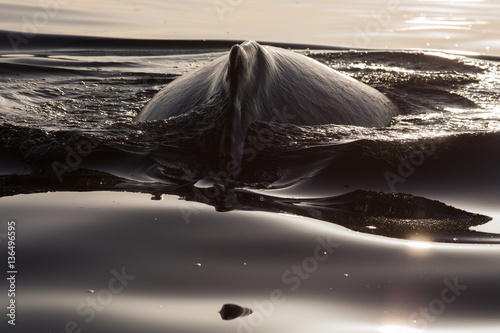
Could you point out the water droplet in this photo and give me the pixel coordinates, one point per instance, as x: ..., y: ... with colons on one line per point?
x: 91, y: 291
x: 346, y: 274
x: 198, y: 264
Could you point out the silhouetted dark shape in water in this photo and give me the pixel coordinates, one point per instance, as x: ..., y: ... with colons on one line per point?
x: 233, y: 311
x: 264, y: 83
x: 396, y: 215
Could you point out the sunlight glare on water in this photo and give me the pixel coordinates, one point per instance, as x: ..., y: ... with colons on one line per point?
x: 466, y: 25
x: 398, y: 329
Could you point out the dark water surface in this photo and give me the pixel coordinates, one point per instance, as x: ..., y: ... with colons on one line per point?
x: 327, y: 229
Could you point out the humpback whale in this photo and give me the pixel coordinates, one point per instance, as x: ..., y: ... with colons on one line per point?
x: 265, y: 83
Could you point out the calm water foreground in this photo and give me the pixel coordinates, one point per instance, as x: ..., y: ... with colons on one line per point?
x: 121, y: 262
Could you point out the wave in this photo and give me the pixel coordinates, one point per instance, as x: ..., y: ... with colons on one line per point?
x: 67, y: 106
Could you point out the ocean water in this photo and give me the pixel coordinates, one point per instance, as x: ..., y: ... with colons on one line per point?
x: 130, y: 227
x: 459, y: 26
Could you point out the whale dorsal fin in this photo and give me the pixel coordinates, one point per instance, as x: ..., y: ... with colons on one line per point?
x: 235, y: 129
x: 237, y: 70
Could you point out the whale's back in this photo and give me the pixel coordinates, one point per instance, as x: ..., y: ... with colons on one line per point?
x: 280, y: 85
x: 303, y: 91
x: 186, y: 92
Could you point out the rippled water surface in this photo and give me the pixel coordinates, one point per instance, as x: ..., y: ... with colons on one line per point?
x: 466, y: 25
x: 131, y: 227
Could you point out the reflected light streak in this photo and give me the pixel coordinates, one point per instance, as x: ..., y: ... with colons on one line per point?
x: 433, y: 27
x: 455, y: 1
x: 419, y: 244
x: 398, y: 329
x: 419, y: 248
x: 447, y: 21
